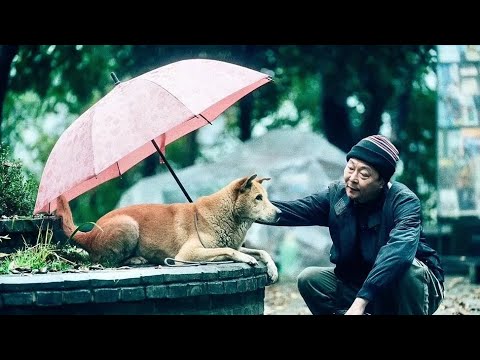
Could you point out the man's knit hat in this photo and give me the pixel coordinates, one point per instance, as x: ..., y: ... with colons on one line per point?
x: 377, y: 151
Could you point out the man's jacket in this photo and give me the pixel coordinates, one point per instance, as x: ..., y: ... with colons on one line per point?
x: 395, y: 232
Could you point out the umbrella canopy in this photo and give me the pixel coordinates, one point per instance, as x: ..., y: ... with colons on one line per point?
x: 137, y: 118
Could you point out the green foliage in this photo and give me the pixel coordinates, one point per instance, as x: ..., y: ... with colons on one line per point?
x: 4, y: 267
x: 17, y: 188
x: 72, y: 74
x: 67, y: 79
x: 102, y: 199
x: 43, y: 256
x: 47, y: 79
x: 58, y: 80
x: 418, y: 151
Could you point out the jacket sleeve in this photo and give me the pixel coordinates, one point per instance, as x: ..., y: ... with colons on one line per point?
x: 307, y: 211
x: 396, y: 256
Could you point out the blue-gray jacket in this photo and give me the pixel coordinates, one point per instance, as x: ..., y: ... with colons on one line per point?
x: 394, y: 232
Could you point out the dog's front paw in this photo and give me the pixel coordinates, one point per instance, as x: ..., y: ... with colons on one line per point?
x: 272, y: 272
x: 250, y: 260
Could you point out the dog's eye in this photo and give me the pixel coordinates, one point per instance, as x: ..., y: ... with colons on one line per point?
x: 259, y: 197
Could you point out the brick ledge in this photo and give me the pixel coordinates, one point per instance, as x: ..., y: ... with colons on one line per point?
x: 235, y: 288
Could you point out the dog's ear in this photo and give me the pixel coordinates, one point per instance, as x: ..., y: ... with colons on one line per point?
x: 263, y: 179
x: 247, y: 183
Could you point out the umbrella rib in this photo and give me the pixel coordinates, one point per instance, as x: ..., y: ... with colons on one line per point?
x: 181, y: 102
x: 205, y: 119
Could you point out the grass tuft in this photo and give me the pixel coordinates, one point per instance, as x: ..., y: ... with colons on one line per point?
x: 43, y: 256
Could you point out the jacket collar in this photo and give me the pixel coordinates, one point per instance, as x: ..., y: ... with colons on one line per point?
x: 344, y: 202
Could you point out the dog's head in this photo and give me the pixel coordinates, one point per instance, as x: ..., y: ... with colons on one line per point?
x: 252, y: 200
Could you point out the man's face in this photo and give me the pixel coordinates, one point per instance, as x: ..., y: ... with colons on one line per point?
x: 362, y: 182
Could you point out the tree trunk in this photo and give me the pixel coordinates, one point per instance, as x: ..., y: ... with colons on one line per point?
x: 336, y: 122
x: 246, y: 104
x: 192, y: 148
x: 399, y: 122
x: 151, y: 164
x: 373, y: 117
x: 7, y: 53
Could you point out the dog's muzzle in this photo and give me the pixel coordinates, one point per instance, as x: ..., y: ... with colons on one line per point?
x: 272, y: 220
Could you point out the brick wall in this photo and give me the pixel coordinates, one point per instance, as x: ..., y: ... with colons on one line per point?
x: 21, y: 231
x: 222, y: 289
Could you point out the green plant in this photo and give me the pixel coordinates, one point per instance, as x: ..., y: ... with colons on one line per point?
x: 43, y: 256
x: 17, y: 187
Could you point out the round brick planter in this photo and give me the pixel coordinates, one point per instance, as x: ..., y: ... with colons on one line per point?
x: 26, y: 230
x: 233, y: 288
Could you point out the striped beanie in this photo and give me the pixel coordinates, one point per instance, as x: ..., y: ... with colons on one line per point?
x: 377, y: 151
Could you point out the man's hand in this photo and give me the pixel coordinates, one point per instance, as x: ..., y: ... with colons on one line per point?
x: 358, y: 307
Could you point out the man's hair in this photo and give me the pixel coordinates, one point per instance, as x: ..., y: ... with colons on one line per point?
x: 377, y: 151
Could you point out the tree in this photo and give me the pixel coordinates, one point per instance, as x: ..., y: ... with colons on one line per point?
x: 7, y: 53
x: 341, y: 91
x: 53, y: 78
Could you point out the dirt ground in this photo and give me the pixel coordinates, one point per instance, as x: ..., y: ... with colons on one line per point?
x: 461, y: 298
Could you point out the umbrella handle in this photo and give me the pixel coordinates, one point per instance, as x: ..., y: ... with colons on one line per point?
x: 171, y: 171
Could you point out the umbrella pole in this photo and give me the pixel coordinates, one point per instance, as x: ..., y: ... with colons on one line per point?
x: 171, y: 171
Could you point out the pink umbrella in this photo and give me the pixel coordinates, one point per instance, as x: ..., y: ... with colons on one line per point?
x: 137, y: 118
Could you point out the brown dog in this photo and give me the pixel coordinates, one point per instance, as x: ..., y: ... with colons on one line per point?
x: 213, y: 228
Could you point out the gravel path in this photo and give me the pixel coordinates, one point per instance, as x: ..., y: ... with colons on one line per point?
x: 461, y: 298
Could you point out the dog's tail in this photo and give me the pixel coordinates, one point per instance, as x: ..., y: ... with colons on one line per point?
x: 63, y: 211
